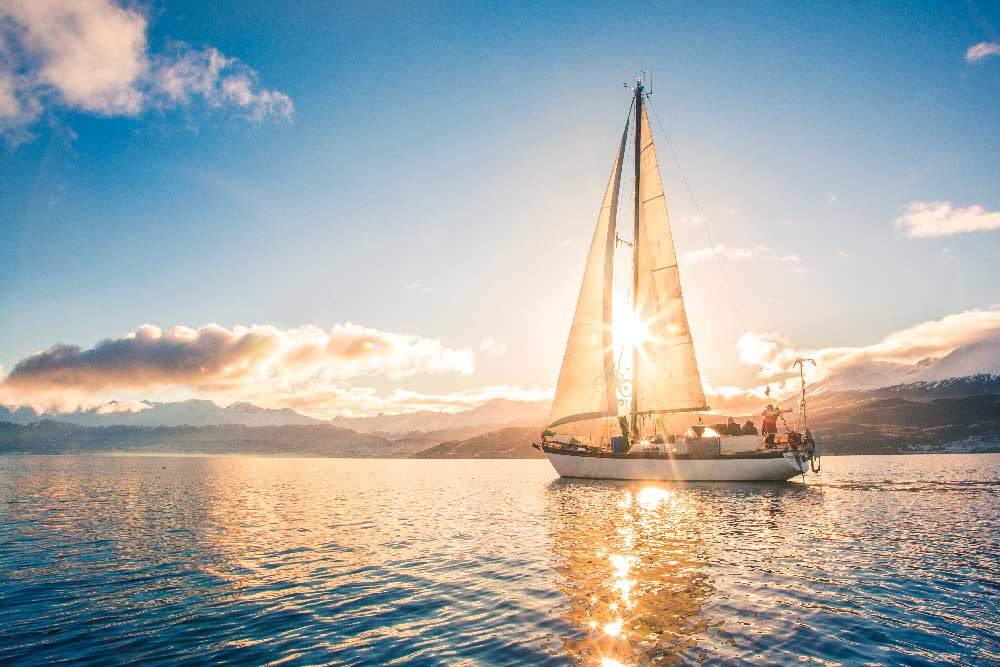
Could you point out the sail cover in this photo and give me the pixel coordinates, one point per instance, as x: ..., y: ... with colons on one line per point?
x: 665, y: 374
x: 586, y: 387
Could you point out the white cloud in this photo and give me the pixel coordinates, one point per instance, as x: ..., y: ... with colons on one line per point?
x: 113, y: 407
x: 493, y: 347
x: 737, y: 400
x: 188, y: 75
x: 90, y: 51
x: 92, y: 56
x: 736, y: 254
x: 366, y: 401
x: 982, y: 50
x: 941, y: 218
x: 257, y: 360
x: 773, y: 354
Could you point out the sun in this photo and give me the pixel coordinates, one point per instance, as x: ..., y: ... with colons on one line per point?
x: 628, y: 330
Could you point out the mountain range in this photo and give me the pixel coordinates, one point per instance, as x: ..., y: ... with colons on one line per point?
x: 937, y: 404
x: 493, y: 414
x: 973, y: 365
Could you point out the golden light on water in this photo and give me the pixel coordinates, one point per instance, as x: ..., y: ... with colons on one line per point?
x: 650, y: 497
x: 621, y: 565
x: 614, y: 628
x: 633, y: 571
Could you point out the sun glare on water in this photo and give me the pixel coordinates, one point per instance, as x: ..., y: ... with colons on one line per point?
x: 614, y: 628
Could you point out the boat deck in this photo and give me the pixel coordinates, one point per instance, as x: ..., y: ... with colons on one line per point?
x: 574, y: 450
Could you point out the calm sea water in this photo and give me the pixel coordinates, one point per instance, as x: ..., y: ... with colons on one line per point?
x: 254, y: 561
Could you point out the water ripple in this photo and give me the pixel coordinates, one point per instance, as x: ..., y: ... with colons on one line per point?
x: 256, y: 561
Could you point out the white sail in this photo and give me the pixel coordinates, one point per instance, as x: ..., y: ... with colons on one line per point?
x: 665, y: 374
x: 586, y: 386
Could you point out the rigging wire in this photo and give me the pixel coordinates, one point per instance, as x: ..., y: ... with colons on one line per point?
x: 701, y: 217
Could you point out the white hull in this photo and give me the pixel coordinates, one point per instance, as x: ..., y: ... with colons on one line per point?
x: 719, y: 469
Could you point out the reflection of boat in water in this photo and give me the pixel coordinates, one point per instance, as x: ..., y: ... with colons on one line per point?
x: 631, y: 561
x: 597, y: 394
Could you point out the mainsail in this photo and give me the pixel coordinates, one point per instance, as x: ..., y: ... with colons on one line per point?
x: 665, y: 371
x: 586, y: 387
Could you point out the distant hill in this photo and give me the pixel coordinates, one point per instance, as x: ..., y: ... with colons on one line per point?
x: 180, y: 413
x: 507, y: 443
x: 491, y: 415
x: 51, y: 437
x: 424, y: 425
x: 849, y: 424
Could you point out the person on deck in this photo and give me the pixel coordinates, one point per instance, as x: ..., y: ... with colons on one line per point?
x: 732, y: 428
x: 749, y: 428
x: 769, y: 425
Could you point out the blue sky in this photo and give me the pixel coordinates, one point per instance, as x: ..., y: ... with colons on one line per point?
x: 439, y: 170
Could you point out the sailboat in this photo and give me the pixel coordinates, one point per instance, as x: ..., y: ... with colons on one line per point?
x: 615, y: 415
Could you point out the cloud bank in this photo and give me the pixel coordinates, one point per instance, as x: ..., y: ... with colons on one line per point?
x: 773, y: 354
x: 940, y: 218
x: 353, y: 401
x: 278, y: 367
x: 93, y: 56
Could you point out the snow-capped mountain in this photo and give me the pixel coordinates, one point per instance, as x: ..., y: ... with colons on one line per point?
x: 867, y: 375
x: 494, y: 414
x: 970, y: 369
x: 982, y: 358
x: 180, y: 413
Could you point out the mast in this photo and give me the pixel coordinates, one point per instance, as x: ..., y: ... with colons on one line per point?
x: 801, y: 363
x: 635, y: 252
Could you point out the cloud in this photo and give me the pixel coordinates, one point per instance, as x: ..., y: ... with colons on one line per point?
x: 982, y: 50
x: 90, y: 51
x: 188, y: 75
x: 92, y: 56
x: 773, y: 354
x: 941, y: 218
x: 113, y: 407
x: 255, y: 360
x: 736, y: 254
x: 366, y: 401
x: 493, y: 347
x: 831, y: 198
x: 736, y: 400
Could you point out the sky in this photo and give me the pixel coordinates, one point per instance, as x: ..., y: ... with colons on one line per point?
x: 352, y: 208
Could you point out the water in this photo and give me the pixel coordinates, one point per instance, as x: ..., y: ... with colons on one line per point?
x: 254, y: 561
